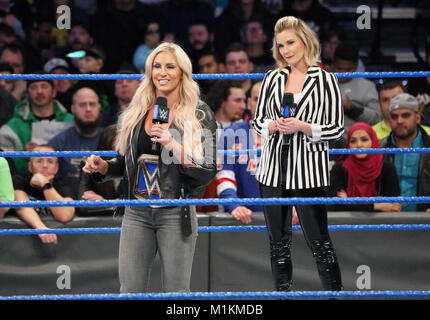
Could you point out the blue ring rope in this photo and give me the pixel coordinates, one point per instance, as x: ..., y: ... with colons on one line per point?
x: 231, y: 295
x: 70, y: 154
x: 212, y: 201
x: 378, y: 227
x: 255, y: 76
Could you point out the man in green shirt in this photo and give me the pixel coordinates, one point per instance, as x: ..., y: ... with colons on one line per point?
x: 16, y: 134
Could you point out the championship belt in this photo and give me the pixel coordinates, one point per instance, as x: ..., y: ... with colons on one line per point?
x: 147, y: 180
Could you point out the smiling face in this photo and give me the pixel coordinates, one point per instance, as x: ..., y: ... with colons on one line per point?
x: 291, y: 47
x: 166, y: 74
x: 360, y: 139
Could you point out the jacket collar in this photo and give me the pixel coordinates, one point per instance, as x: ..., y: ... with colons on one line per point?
x: 311, y: 79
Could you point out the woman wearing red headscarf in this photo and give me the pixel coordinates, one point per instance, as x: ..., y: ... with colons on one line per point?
x: 364, y: 175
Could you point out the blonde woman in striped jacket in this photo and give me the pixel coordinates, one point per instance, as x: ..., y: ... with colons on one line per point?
x: 298, y: 167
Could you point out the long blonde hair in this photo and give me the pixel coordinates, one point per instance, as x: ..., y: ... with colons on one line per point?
x: 304, y: 32
x: 145, y: 97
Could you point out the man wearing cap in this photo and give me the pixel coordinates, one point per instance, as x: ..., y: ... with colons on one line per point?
x: 16, y: 134
x: 388, y: 91
x: 413, y: 169
x: 62, y: 87
x: 91, y: 61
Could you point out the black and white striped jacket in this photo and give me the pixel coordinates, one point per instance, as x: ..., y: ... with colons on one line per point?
x: 320, y: 106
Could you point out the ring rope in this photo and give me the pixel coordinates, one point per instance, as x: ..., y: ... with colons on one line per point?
x: 346, y: 227
x: 212, y: 201
x: 230, y: 295
x: 70, y: 154
x: 211, y: 76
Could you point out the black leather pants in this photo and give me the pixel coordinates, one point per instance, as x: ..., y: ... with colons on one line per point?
x: 313, y: 220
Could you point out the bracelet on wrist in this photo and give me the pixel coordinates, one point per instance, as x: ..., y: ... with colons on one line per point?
x: 47, y: 186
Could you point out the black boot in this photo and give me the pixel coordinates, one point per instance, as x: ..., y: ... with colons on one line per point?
x: 282, y: 268
x: 328, y: 267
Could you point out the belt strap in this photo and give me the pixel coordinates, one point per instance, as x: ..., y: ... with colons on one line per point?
x: 186, y: 221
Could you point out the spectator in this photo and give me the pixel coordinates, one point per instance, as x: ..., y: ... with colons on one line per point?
x: 200, y: 39
x: 6, y: 191
x: 151, y: 39
x: 359, y: 95
x: 39, y: 183
x: 45, y: 39
x: 48, y: 10
x: 112, y: 189
x: 186, y: 12
x: 13, y: 55
x: 17, y: 133
x: 317, y: 16
x: 16, y: 13
x: 92, y: 62
x: 364, y: 175
x: 39, y: 44
x: 7, y: 100
x: 413, y: 169
x: 387, y: 92
x: 64, y: 87
x: 237, y: 61
x: 83, y: 136
x: 420, y: 88
x: 119, y: 28
x: 255, y: 39
x: 209, y: 62
x: 6, y: 68
x: 236, y: 175
x: 12, y: 21
x: 78, y: 38
x: 228, y: 101
x: 330, y: 39
x: 7, y: 35
x: 233, y: 19
x: 124, y: 92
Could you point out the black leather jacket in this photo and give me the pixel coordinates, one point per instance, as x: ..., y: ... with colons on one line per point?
x: 173, y: 176
x: 423, y: 183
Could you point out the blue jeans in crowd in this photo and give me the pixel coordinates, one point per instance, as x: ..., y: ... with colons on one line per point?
x: 146, y: 231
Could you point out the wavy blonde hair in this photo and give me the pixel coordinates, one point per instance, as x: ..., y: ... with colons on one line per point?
x: 304, y: 32
x: 145, y: 97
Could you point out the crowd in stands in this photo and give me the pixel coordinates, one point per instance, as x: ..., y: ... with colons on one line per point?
x: 116, y: 36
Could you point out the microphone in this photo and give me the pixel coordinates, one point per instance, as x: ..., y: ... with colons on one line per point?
x: 288, y: 108
x: 161, y: 115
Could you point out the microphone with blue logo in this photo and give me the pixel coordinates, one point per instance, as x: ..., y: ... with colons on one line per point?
x: 161, y: 115
x: 288, y: 108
